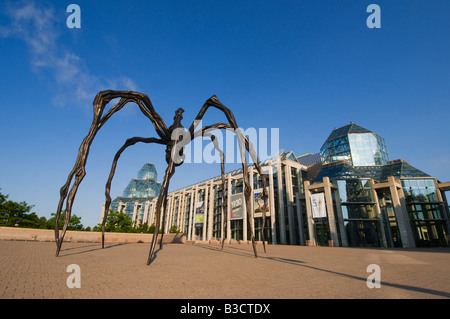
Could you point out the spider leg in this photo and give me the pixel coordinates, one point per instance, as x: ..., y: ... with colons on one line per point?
x: 243, y: 142
x: 170, y: 170
x: 163, y: 221
x: 129, y: 142
x: 100, y: 101
x: 222, y: 168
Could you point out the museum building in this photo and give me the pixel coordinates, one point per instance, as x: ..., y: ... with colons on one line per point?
x: 347, y: 195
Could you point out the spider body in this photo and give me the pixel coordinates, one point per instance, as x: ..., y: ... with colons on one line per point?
x: 170, y: 137
x: 172, y: 142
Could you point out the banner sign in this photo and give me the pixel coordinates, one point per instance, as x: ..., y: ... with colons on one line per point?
x: 236, y: 209
x: 318, y: 205
x: 258, y: 203
x: 199, y: 213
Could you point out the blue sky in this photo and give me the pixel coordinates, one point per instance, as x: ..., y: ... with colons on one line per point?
x: 302, y: 66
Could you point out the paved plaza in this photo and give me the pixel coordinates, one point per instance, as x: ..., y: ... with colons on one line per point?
x: 30, y: 270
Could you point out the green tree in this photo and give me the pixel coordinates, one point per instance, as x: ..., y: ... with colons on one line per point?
x: 74, y: 222
x: 151, y: 229
x: 116, y: 222
x: 15, y: 214
x: 18, y: 214
x: 174, y: 229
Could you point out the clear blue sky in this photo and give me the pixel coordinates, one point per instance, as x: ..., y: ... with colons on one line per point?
x: 302, y: 66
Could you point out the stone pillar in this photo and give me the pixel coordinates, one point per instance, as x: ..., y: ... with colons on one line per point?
x: 272, y: 206
x: 444, y: 209
x: 301, y: 235
x: 330, y: 211
x: 401, y: 213
x: 337, y: 198
x: 192, y: 214
x: 252, y: 209
x: 228, y: 230
x: 311, y: 230
x: 146, y: 211
x: 205, y: 215
x: 210, y: 210
x: 378, y: 211
x: 182, y: 211
x: 281, y: 221
x: 133, y: 218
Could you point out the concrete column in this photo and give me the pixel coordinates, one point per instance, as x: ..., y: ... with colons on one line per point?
x: 211, y: 211
x: 228, y: 230
x: 331, y: 218
x: 378, y: 211
x: 167, y: 214
x: 301, y: 235
x: 312, y: 233
x: 252, y: 209
x: 401, y: 214
x: 133, y: 218
x: 281, y: 220
x: 444, y: 209
x: 182, y: 211
x: 177, y: 201
x: 146, y: 211
x: 272, y: 206
x: 205, y: 216
x: 344, y: 238
x: 154, y: 210
x: 191, y: 214
x: 194, y: 211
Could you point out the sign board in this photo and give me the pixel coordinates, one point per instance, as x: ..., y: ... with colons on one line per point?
x: 258, y: 203
x: 236, y: 209
x: 318, y: 207
x: 199, y: 213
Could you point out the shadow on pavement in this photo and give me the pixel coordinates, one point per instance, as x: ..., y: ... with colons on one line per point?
x: 245, y: 253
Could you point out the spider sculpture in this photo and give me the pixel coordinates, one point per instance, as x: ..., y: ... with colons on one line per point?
x: 174, y: 142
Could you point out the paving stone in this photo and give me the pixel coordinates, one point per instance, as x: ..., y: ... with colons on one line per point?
x: 30, y: 270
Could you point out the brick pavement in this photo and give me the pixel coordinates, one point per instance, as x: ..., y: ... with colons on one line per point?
x: 30, y: 270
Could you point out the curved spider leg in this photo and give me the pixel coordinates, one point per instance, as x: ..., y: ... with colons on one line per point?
x: 170, y: 170
x: 100, y: 101
x: 129, y: 142
x: 79, y: 168
x: 163, y: 221
x: 242, y: 145
x: 222, y: 169
x: 247, y: 189
x: 214, y: 102
x: 251, y: 151
x: 265, y: 194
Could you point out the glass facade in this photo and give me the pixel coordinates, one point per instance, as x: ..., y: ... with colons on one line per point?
x: 145, y: 185
x: 355, y: 144
x: 367, y: 149
x: 137, y: 194
x: 426, y: 213
x: 361, y: 220
x: 374, y: 202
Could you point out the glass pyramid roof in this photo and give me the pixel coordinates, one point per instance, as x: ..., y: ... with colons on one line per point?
x: 343, y: 170
x: 145, y: 186
x: 351, y: 128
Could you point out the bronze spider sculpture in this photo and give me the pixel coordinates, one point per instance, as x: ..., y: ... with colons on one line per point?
x: 175, y: 138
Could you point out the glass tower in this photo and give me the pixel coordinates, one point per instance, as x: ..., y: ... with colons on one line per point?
x: 139, y: 190
x: 145, y: 185
x: 355, y: 144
